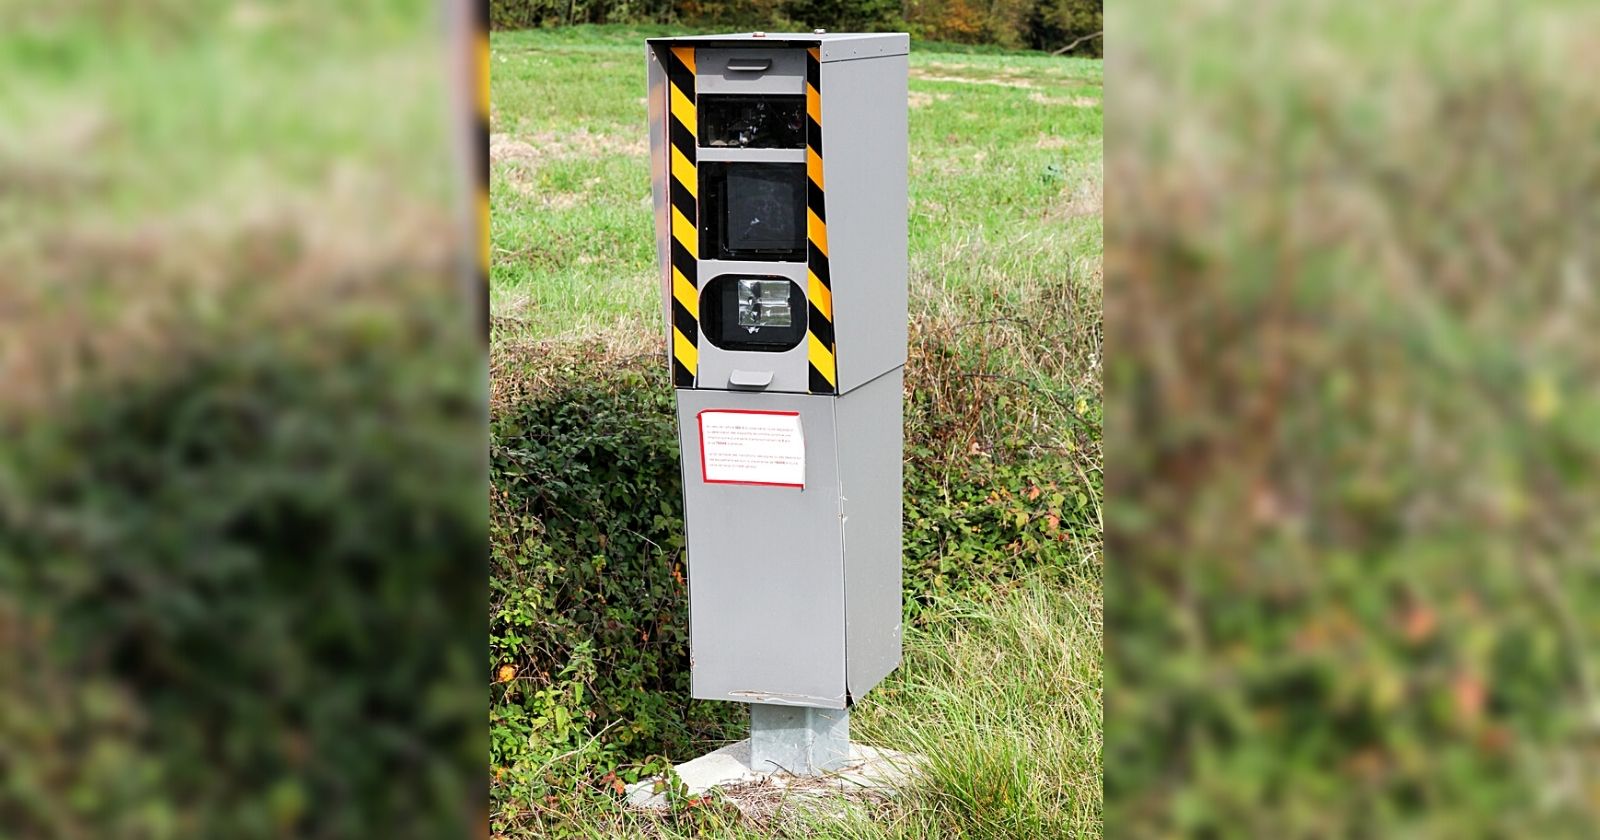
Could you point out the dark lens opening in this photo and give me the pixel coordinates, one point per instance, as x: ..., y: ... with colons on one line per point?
x: 752, y: 122
x: 753, y: 211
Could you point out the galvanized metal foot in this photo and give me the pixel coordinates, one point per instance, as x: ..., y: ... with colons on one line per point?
x: 798, y: 740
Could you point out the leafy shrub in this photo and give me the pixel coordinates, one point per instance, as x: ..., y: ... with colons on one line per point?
x: 231, y: 590
x: 589, y: 631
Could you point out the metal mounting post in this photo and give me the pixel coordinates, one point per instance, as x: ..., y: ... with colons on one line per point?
x: 802, y: 741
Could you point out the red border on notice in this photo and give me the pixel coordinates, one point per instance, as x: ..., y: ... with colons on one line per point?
x: 699, y: 423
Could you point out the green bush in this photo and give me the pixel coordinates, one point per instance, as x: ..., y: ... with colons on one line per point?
x: 589, y: 632
x: 588, y: 603
x: 231, y: 590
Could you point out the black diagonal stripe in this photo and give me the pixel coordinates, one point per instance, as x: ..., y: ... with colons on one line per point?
x: 819, y: 383
x: 818, y: 263
x: 683, y: 261
x: 680, y: 75
x: 814, y: 135
x: 682, y: 139
x: 682, y: 199
x: 685, y: 321
x: 813, y: 71
x: 681, y: 377
x: 821, y: 327
x: 814, y: 200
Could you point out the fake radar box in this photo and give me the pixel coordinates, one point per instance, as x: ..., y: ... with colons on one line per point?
x: 778, y: 166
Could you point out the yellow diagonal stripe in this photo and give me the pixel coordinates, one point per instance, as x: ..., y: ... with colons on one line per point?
x: 684, y: 171
x: 817, y: 231
x: 820, y: 296
x: 683, y: 109
x: 685, y: 55
x: 483, y: 231
x: 685, y: 352
x: 814, y: 167
x: 813, y: 104
x: 815, y: 53
x: 821, y: 359
x: 683, y: 231
x: 483, y: 74
x: 685, y: 293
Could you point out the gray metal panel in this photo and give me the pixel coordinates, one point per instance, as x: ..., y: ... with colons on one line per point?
x: 870, y: 460
x: 736, y: 154
x: 849, y: 46
x: 790, y: 370
x: 786, y: 71
x: 864, y: 172
x: 656, y: 110
x: 766, y: 579
x: 836, y: 46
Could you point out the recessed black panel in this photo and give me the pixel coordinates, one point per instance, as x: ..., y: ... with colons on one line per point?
x: 753, y: 312
x: 752, y: 122
x: 753, y: 211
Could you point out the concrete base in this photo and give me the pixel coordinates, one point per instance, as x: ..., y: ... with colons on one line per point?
x: 869, y: 769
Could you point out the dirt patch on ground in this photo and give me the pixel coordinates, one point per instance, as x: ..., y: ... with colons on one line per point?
x: 564, y: 145
x: 504, y: 148
x: 1074, y: 101
x: 1001, y: 81
x: 1087, y: 198
x: 918, y: 99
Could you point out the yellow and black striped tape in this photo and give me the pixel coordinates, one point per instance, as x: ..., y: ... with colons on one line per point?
x: 683, y: 189
x: 819, y: 287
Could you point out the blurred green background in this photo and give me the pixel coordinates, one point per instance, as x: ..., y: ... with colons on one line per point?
x: 242, y: 524
x: 1353, y: 584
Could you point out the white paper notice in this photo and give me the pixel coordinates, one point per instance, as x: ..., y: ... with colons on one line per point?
x: 752, y: 447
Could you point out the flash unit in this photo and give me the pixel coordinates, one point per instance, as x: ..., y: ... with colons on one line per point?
x: 759, y: 313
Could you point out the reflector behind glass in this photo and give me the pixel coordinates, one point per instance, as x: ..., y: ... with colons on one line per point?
x: 761, y: 313
x: 764, y: 303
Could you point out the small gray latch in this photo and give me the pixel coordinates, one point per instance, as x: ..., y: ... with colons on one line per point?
x: 749, y: 65
x: 754, y: 379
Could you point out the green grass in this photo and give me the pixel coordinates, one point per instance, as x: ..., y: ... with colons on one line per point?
x: 1001, y: 692
x: 1003, y: 700
x: 1005, y: 178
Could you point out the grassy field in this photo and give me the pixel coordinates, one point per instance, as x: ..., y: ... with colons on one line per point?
x: 1005, y: 177
x: 1001, y: 685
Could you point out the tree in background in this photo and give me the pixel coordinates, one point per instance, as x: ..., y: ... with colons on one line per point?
x: 1037, y: 24
x: 844, y: 15
x: 1054, y: 24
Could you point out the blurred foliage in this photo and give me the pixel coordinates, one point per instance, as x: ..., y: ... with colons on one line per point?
x: 242, y: 519
x: 1036, y: 24
x: 1352, y: 261
x: 205, y: 633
